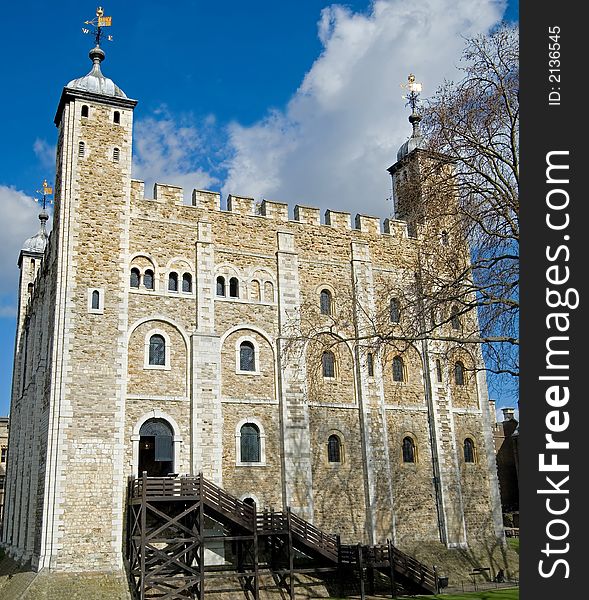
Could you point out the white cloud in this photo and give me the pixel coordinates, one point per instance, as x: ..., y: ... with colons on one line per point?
x: 171, y: 150
x: 45, y: 152
x: 332, y: 144
x: 19, y: 223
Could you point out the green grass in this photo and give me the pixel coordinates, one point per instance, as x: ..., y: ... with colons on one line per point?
x: 514, y: 543
x: 504, y: 594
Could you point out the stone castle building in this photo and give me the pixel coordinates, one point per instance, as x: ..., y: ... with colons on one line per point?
x: 166, y: 337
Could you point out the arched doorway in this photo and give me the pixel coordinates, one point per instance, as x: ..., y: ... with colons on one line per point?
x: 156, y: 448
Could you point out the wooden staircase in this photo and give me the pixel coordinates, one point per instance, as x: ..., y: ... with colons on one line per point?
x: 167, y: 539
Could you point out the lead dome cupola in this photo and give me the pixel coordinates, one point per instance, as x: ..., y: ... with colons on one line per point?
x: 95, y: 82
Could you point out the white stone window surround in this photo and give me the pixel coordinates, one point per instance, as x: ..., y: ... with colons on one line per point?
x: 411, y: 435
x: 342, y: 447
x: 178, y: 282
x: 258, y: 424
x: 253, y: 496
x: 252, y: 340
x: 100, y: 309
x: 153, y: 268
x: 333, y: 379
x: 329, y: 288
x: 177, y: 439
x: 167, y: 364
x: 472, y: 438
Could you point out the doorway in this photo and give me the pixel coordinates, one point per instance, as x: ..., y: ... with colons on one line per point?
x: 156, y: 448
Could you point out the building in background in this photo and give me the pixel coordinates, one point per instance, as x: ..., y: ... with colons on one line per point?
x: 3, y: 460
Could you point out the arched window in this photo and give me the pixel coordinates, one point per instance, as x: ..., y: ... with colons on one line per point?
x: 459, y: 373
x: 31, y: 289
x: 395, y: 311
x: 328, y: 363
x: 173, y: 282
x: 334, y: 449
x: 408, y: 450
x: 85, y: 111
x: 134, y: 279
x: 249, y: 501
x: 220, y: 286
x: 247, y: 357
x: 187, y: 283
x: 455, y: 318
x: 468, y: 450
x: 370, y: 364
x: 439, y: 370
x: 157, y: 350
x: 148, y: 279
x: 268, y: 291
x: 81, y: 149
x: 116, y: 154
x: 250, y: 443
x: 116, y: 117
x: 398, y: 369
x: 255, y: 290
x: 325, y: 302
x: 95, y: 300
x: 233, y: 288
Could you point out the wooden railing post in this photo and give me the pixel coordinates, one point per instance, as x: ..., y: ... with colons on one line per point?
x: 291, y: 592
x: 392, y: 568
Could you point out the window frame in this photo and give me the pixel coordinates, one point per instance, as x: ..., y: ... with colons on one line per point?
x: 152, y: 273
x: 251, y: 340
x: 472, y: 444
x: 326, y: 309
x: 172, y: 276
x: 262, y: 433
x: 459, y: 368
x: 334, y: 365
x: 397, y: 306
x: 340, y: 448
x: 411, y: 438
x: 223, y: 283
x: 100, y: 309
x: 167, y: 366
x: 398, y: 359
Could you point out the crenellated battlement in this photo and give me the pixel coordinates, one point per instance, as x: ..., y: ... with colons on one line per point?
x: 271, y: 209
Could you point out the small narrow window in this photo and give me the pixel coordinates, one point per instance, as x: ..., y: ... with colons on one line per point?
x: 116, y: 117
x: 268, y: 291
x: 148, y: 279
x: 459, y: 373
x: 85, y: 111
x: 134, y: 279
x: 116, y: 154
x: 95, y: 300
x: 439, y: 370
x: 173, y: 282
x: 455, y: 318
x: 157, y: 350
x: 444, y: 238
x: 233, y: 288
x: 250, y: 443
x: 395, y: 311
x: 255, y: 290
x: 220, y: 286
x: 408, y: 450
x: 4, y: 453
x: 247, y: 357
x: 328, y: 363
x: 398, y: 369
x: 468, y: 450
x: 81, y: 149
x: 370, y: 364
x: 325, y: 302
x: 334, y: 449
x: 187, y: 283
x: 31, y: 289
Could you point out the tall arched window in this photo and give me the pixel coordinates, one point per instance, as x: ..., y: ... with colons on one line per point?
x: 157, y: 350
x: 85, y: 111
x: 439, y: 370
x: 95, y: 300
x: 116, y: 117
x: 334, y: 449
x: 187, y: 283
x: 255, y: 290
x: 148, y: 279
x: 370, y: 364
x: 134, y: 279
x: 395, y: 310
x: 247, y: 357
x: 468, y: 450
x: 328, y: 363
x: 398, y: 369
x: 173, y: 282
x: 268, y: 291
x: 408, y: 450
x: 220, y: 286
x: 234, y: 288
x: 325, y: 302
x: 459, y: 373
x: 250, y: 443
x: 455, y: 318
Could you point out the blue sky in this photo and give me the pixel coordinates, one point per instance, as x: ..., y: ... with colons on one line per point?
x: 293, y: 100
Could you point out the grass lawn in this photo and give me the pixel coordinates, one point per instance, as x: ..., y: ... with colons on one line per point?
x: 505, y: 594
x: 514, y: 543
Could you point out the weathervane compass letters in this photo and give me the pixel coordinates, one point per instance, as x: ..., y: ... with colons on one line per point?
x: 46, y: 191
x: 97, y: 24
